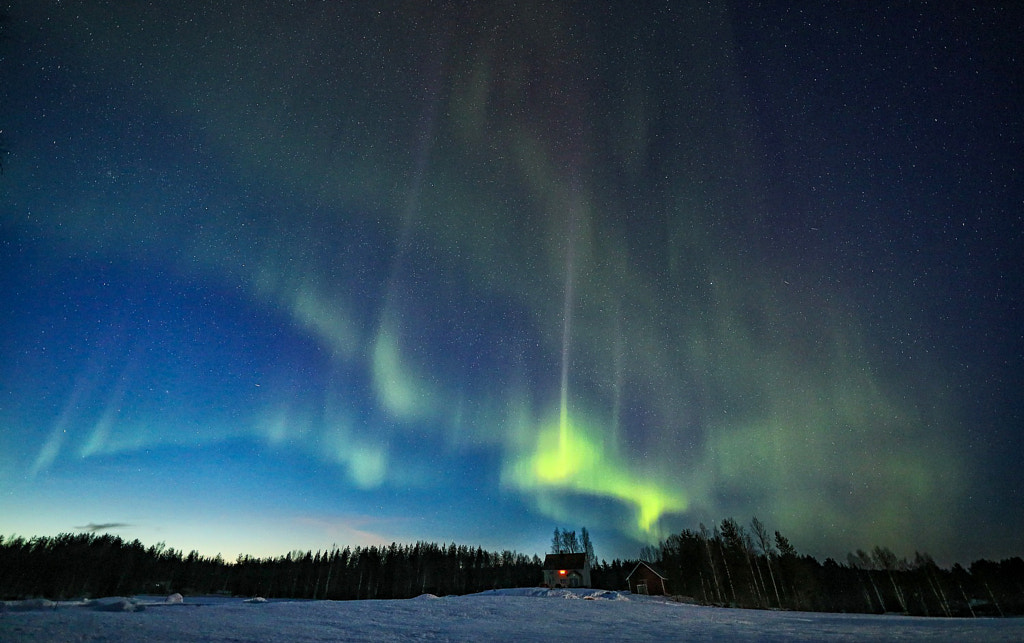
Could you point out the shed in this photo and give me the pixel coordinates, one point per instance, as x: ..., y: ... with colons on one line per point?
x: 566, y: 570
x: 647, y: 579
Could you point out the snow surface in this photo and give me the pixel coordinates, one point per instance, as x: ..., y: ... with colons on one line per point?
x: 504, y: 615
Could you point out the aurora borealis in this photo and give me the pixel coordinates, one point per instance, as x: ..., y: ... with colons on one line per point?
x: 282, y: 274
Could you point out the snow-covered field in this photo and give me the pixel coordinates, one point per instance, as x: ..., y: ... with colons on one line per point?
x: 504, y: 615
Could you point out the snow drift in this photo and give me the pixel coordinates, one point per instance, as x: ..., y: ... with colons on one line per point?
x: 527, y: 614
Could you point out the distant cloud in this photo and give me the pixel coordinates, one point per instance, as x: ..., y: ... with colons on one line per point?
x: 103, y: 526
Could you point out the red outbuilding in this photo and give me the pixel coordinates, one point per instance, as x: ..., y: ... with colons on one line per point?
x: 645, y: 579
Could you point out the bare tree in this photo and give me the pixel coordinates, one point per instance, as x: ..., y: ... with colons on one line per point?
x: 755, y: 565
x: 704, y: 536
x: 886, y: 560
x: 588, y: 547
x: 720, y: 541
x: 650, y: 554
x: 764, y: 541
x: 862, y: 563
x: 570, y: 544
x: 926, y: 564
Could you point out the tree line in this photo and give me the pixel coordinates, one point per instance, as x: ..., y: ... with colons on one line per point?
x: 89, y: 565
x: 79, y: 565
x: 755, y: 568
x: 727, y: 565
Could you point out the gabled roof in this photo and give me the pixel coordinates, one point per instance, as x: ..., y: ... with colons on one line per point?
x: 565, y: 561
x: 654, y: 569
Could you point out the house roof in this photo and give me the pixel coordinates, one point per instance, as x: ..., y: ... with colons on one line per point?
x: 657, y: 571
x: 565, y: 561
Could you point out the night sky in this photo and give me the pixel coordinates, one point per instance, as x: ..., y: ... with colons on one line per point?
x: 278, y: 275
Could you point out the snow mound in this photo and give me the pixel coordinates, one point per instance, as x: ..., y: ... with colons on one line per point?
x: 568, y: 594
x: 532, y: 592
x: 115, y: 604
x: 606, y: 595
x: 107, y: 604
x: 255, y: 599
x: 30, y: 605
x: 426, y: 597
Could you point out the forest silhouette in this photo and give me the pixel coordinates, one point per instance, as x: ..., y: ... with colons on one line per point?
x: 727, y: 565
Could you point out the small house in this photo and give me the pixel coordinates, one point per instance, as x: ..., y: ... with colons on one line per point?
x: 646, y: 579
x: 566, y: 570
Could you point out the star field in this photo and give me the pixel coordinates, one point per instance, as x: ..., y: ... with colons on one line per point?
x: 288, y: 274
